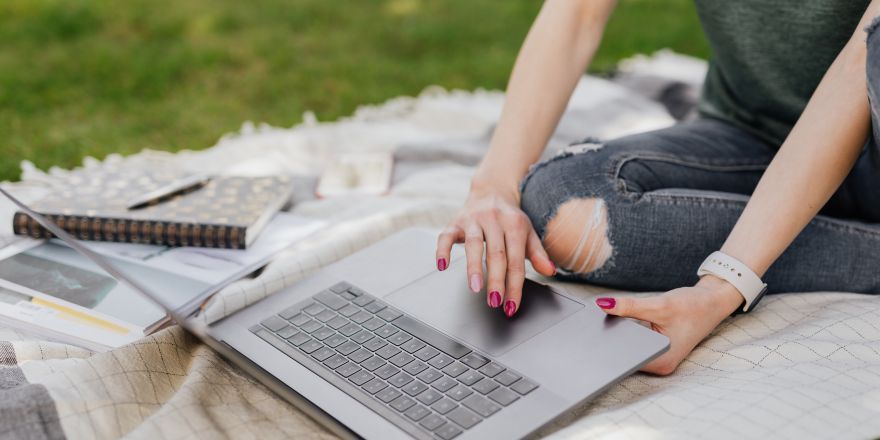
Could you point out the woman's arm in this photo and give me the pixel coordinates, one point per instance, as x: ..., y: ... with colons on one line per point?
x: 555, y: 54
x: 809, y: 167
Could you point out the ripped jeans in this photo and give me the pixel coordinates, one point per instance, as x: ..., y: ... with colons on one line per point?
x: 643, y: 211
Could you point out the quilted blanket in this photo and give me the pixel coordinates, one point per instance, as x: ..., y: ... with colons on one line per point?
x: 803, y: 365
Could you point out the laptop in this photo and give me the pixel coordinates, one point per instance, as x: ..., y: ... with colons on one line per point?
x: 381, y: 345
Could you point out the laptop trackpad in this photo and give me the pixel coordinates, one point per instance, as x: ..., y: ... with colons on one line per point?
x: 443, y: 301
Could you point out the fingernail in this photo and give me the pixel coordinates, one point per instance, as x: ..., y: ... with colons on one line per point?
x: 494, y: 299
x: 441, y: 264
x: 606, y: 303
x: 509, y: 308
x: 476, y: 283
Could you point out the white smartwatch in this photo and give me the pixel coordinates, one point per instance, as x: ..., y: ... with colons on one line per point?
x: 735, y: 272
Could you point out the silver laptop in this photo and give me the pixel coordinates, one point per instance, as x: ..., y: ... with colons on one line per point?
x: 381, y: 345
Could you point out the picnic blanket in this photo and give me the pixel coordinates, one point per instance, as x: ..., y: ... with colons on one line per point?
x: 803, y: 365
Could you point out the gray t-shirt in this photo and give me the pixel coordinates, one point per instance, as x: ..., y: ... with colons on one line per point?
x: 769, y: 56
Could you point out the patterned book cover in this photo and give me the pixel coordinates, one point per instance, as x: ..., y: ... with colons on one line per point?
x: 227, y: 212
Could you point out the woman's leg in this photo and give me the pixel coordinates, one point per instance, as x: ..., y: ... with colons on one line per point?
x: 643, y: 211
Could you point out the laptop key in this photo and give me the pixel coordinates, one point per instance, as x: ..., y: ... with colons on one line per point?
x: 427, y: 353
x: 402, y: 403
x: 274, y: 323
x: 432, y: 422
x: 503, y: 396
x: 310, y: 346
x: 507, y: 378
x: 440, y: 361
x: 401, y: 359
x: 444, y: 406
x: 349, y: 310
x: 310, y: 326
x: 491, y: 369
x: 481, y: 405
x: 347, y: 295
x: 485, y: 386
x: 348, y: 369
x: 415, y: 367
x: 430, y: 375
x: 361, y: 377
x: 300, y: 319
x: 323, y: 353
x: 361, y: 317
x: 386, y: 331
x: 373, y: 324
x: 287, y: 332
x: 464, y: 417
x: 417, y: 413
x: 340, y: 287
x: 323, y: 333
x: 474, y: 360
x: 389, y: 314
x: 299, y: 339
x: 399, y: 338
x: 455, y: 369
x: 433, y: 337
x: 360, y: 355
x: 347, y: 348
x: 350, y: 329
x: 444, y: 384
x: 375, y: 306
x: 326, y: 315
x: 414, y: 388
x: 362, y: 337
x: 523, y: 386
x: 375, y: 344
x: 275, y: 341
x: 388, y: 351
x: 413, y: 345
x: 335, y: 340
x: 289, y: 312
x: 335, y: 361
x: 388, y: 394
x: 314, y: 309
x: 459, y: 392
x: 387, y: 371
x: 356, y: 291
x: 374, y: 386
x: 448, y: 431
x: 330, y: 300
x: 470, y: 377
x: 400, y: 379
x: 363, y: 300
x: 429, y: 396
x: 373, y: 363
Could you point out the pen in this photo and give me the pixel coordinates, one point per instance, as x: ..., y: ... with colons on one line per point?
x: 168, y: 191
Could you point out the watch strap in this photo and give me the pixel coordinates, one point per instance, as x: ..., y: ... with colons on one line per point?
x: 736, y: 273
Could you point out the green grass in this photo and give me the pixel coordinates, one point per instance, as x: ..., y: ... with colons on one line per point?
x: 93, y: 77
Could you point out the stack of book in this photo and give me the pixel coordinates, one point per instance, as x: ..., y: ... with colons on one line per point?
x: 189, y: 236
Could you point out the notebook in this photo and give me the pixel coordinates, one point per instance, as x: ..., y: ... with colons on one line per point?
x: 92, y: 204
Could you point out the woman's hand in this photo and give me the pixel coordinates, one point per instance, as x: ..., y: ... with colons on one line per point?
x: 686, y: 316
x: 494, y: 217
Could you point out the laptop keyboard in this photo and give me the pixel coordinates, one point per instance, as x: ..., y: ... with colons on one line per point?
x: 416, y: 377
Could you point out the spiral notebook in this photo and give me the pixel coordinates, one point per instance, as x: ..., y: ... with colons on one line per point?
x: 92, y: 204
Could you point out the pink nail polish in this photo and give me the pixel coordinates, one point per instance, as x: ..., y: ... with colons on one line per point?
x: 606, y: 303
x: 554, y: 267
x: 476, y: 283
x: 509, y: 308
x: 441, y: 264
x: 494, y: 299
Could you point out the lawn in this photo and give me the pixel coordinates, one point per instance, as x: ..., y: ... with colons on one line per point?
x: 91, y: 77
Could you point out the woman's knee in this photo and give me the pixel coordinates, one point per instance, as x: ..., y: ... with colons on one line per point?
x: 576, y: 238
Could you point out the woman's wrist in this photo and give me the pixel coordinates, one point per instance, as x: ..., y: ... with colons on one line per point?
x: 485, y: 183
x: 725, y: 296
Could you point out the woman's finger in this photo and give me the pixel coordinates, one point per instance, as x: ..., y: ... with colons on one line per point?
x: 496, y: 261
x: 473, y: 248
x: 651, y: 309
x: 451, y: 235
x: 538, y: 255
x: 515, y: 239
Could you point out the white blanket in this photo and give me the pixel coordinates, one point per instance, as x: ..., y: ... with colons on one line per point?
x: 800, y: 366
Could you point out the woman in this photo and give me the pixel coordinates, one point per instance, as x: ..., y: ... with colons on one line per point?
x: 785, y: 133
